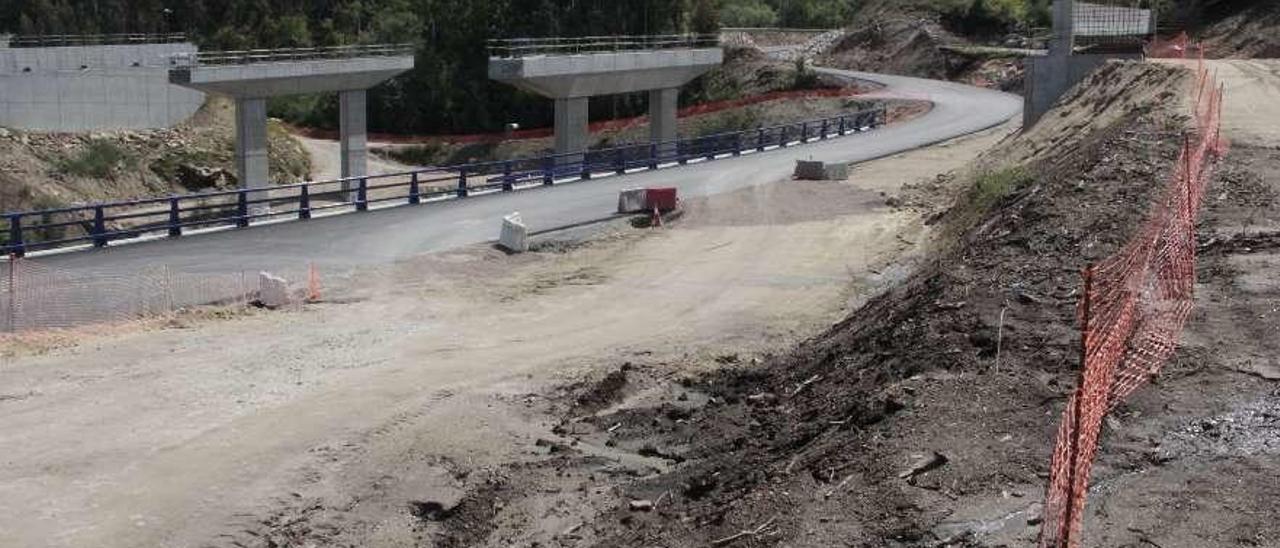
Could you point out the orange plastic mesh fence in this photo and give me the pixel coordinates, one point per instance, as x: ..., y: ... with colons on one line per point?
x: 1133, y: 309
x: 35, y: 296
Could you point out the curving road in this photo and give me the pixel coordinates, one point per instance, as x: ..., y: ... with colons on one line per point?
x: 385, y: 235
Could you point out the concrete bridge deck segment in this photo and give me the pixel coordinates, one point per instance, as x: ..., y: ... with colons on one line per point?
x: 570, y: 71
x: 251, y: 77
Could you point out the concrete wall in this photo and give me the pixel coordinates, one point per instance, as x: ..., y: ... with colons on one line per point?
x: 1048, y: 78
x: 84, y: 88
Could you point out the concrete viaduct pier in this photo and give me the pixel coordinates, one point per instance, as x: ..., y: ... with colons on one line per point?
x: 572, y: 70
x: 251, y: 77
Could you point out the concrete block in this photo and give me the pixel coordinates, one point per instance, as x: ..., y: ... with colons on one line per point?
x: 810, y: 171
x: 821, y: 171
x: 632, y: 200
x: 273, y: 291
x: 515, y: 235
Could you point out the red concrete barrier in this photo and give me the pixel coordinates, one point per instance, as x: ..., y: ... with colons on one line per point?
x: 663, y: 199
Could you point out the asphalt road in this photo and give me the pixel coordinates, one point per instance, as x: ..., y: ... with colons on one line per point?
x: 386, y: 235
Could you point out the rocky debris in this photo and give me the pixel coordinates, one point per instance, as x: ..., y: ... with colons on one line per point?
x: 197, y: 178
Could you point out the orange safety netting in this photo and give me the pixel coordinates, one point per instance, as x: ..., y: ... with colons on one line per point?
x: 1133, y: 309
x: 1178, y: 47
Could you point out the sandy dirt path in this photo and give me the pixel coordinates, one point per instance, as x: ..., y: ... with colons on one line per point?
x: 326, y: 160
x: 208, y: 431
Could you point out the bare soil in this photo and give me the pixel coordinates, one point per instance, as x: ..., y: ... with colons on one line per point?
x: 409, y: 405
x: 926, y: 417
x: 194, y: 156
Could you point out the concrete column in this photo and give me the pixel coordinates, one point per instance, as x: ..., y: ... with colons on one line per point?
x: 353, y: 116
x: 1063, y: 28
x: 251, y: 142
x: 571, y: 127
x: 663, y: 104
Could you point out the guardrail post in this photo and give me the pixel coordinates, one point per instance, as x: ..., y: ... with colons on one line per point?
x: 462, y: 182
x: 782, y: 137
x: 586, y: 166
x: 549, y: 171
x: 760, y: 133
x: 682, y: 149
x: 824, y: 129
x: 508, y: 181
x: 653, y: 155
x: 16, y: 246
x: 415, y: 196
x: 804, y: 132
x: 175, y: 217
x: 737, y: 144
x: 620, y: 161
x: 304, y: 202
x: 842, y: 125
x: 242, y: 208
x: 709, y: 148
x: 362, y: 195
x: 99, y: 227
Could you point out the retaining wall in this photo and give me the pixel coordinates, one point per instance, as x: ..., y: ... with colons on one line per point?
x: 82, y: 88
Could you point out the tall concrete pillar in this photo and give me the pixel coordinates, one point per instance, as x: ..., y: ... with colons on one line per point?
x: 1063, y: 28
x: 353, y: 117
x: 251, y: 142
x: 663, y: 104
x: 571, y: 127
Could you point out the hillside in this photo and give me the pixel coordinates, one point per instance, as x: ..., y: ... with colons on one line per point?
x: 44, y: 170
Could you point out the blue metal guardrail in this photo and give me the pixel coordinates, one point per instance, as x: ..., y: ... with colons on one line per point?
x: 101, y: 223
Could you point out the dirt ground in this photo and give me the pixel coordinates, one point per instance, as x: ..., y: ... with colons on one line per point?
x: 927, y: 416
x: 415, y: 391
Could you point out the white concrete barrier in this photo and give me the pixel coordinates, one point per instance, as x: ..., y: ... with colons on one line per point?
x: 515, y: 235
x: 632, y: 200
x: 273, y: 291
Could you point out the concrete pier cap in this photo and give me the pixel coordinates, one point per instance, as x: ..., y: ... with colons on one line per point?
x: 570, y: 70
x: 251, y: 77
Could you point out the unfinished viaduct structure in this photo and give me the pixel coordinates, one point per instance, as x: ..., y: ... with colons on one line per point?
x: 572, y: 70
x: 251, y: 77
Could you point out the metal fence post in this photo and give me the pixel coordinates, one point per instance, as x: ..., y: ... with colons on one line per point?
x: 508, y: 181
x: 16, y: 246
x: 414, y: 191
x: 737, y: 144
x: 709, y: 148
x: 362, y: 195
x: 304, y: 202
x: 549, y: 170
x: 782, y: 137
x: 842, y: 118
x: 99, y: 227
x: 620, y: 161
x: 462, y: 182
x: 681, y: 150
x: 804, y: 132
x: 585, y: 175
x: 760, y: 140
x: 242, y: 208
x: 175, y: 217
x: 653, y: 155
x: 824, y: 129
